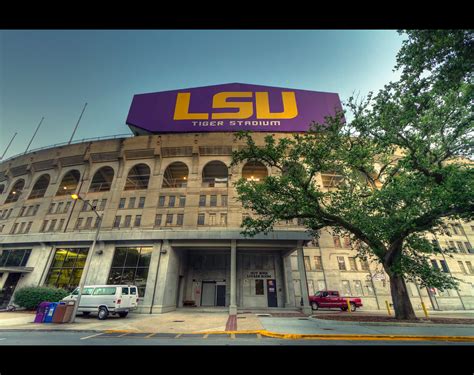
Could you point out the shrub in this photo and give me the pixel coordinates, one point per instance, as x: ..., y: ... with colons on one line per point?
x: 31, y: 297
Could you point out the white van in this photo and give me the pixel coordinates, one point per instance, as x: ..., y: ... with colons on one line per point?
x: 107, y: 299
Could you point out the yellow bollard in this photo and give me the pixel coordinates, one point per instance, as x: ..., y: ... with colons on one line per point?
x: 348, y: 305
x: 388, y: 307
x: 424, y: 309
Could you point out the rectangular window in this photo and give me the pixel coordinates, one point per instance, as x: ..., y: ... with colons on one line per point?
x: 212, y: 219
x: 224, y: 200
x: 452, y: 247
x: 347, y: 241
x: 201, y: 219
x: 158, y: 220
x: 468, y: 247
x: 358, y: 288
x: 337, y: 241
x: 352, y: 263
x: 444, y: 265
x: 169, y: 219
x: 13, y: 230
x: 22, y: 226
x: 346, y: 288
x: 182, y: 201
x: 9, y: 213
x: 364, y: 265
x: 97, y: 222
x: 95, y: 203
x: 79, y: 223
x: 213, y: 202
x: 460, y: 247
x: 128, y: 219
x: 259, y: 288
x: 1, y: 227
x: 455, y: 229
x: 22, y: 210
x: 202, y: 201
x: 66, y: 208
x: 88, y: 223
x: 59, y: 208
x: 179, y: 219
x: 117, y: 221
x: 434, y: 263
x: 131, y: 202
x: 122, y: 203
x: 223, y: 219
x: 66, y: 270
x: 171, y: 201
x: 141, y: 202
x: 138, y: 221
x: 161, y: 201
x: 307, y: 264
x: 51, y: 208
x: 60, y: 226
x: 43, y: 226
x: 30, y: 210
x: 52, y: 225
x: 318, y: 263
x: 342, y: 264
x: 28, y: 227
x: 103, y: 202
x: 85, y: 206
x: 469, y: 267
x: 461, y: 267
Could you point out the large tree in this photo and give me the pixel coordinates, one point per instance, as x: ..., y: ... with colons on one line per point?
x: 402, y: 163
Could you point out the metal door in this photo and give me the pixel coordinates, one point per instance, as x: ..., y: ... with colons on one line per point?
x: 272, y: 293
x: 220, y: 300
x: 208, y: 296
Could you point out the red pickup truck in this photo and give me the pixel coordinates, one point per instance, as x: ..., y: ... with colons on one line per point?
x: 331, y: 299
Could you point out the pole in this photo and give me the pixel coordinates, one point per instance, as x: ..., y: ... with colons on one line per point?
x: 75, y: 128
x: 86, y: 268
x: 11, y: 140
x: 27, y: 147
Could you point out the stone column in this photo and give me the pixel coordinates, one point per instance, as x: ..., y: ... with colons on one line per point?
x: 303, y: 281
x: 233, y: 278
x: 285, y: 280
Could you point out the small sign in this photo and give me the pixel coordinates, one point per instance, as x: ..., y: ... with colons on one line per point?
x: 259, y: 275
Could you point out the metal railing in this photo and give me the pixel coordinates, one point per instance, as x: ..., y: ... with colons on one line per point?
x: 126, y: 135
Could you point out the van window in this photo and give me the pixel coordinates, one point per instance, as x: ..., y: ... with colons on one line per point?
x: 87, y: 291
x: 108, y: 291
x: 133, y: 291
x: 125, y: 291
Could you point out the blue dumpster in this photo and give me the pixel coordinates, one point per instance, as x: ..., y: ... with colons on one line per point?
x: 41, y: 312
x: 50, y: 312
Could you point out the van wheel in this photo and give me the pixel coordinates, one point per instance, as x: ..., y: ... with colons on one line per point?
x: 103, y: 313
x: 86, y: 313
x: 123, y: 314
x: 314, y: 305
x: 344, y: 308
x: 353, y: 307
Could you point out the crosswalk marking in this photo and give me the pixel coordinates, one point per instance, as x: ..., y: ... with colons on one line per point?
x: 88, y: 337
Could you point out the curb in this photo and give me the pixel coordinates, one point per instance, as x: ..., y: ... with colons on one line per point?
x: 344, y: 322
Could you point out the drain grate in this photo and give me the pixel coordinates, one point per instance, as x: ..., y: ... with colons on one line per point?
x: 264, y: 315
x: 178, y: 321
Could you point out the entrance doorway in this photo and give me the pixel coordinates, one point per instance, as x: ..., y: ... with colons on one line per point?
x: 272, y: 293
x: 9, y: 289
x: 213, y: 293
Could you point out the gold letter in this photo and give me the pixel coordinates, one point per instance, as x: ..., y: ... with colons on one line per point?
x: 182, y: 108
x: 290, y: 110
x: 220, y: 101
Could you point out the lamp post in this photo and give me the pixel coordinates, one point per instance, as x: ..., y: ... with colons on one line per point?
x: 88, y: 259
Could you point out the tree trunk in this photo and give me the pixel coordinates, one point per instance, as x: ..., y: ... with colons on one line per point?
x: 401, y: 299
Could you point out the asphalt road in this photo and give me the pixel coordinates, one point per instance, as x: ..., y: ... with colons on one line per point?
x: 62, y: 338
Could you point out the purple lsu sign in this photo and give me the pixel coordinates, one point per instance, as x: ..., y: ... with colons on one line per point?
x: 231, y: 107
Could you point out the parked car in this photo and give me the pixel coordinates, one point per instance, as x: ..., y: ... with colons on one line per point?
x: 106, y: 299
x: 332, y: 299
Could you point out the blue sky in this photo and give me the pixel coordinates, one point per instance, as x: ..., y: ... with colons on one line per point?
x: 52, y: 73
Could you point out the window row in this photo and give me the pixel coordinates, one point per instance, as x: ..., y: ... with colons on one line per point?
x: 23, y: 227
x: 132, y: 202
x: 86, y: 205
x: 5, y: 214
x: 466, y: 269
x: 169, y: 219
x: 170, y: 201
x: 52, y: 225
x: 212, y: 201
x: 212, y: 219
x: 29, y: 210
x: 127, y: 222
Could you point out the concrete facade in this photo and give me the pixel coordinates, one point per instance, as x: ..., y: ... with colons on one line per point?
x: 191, y: 257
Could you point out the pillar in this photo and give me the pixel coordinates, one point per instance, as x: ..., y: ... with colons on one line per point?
x: 303, y: 281
x: 233, y: 278
x: 286, y: 279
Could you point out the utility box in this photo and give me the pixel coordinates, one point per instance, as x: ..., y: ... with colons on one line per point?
x: 41, y: 312
x: 59, y: 313
x: 70, y: 304
x: 50, y: 312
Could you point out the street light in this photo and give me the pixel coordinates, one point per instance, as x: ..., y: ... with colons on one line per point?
x: 88, y: 259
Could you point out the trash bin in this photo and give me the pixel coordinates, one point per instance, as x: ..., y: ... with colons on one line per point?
x: 41, y: 312
x: 69, y: 310
x: 50, y: 312
x: 59, y: 312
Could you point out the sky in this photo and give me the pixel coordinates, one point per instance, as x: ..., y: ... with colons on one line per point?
x: 52, y: 73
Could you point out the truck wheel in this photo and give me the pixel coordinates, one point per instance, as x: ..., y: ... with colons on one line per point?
x: 103, y: 313
x: 314, y: 305
x: 353, y: 307
x: 123, y: 314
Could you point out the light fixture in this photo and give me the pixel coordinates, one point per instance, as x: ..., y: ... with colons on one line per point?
x: 75, y: 196
x: 184, y: 178
x: 64, y: 187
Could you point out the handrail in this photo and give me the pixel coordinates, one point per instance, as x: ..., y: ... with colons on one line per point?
x: 126, y: 135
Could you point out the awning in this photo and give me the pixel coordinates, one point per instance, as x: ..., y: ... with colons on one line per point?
x: 16, y: 269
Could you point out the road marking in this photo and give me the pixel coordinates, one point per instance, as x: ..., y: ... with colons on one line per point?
x: 259, y: 335
x: 178, y: 336
x: 3, y: 338
x: 205, y: 336
x: 123, y: 334
x: 232, y: 336
x: 88, y: 337
x: 150, y: 335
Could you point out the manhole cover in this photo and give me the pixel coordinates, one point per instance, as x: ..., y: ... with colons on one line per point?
x: 178, y: 321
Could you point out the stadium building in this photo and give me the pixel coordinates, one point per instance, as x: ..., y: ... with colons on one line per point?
x: 170, y: 220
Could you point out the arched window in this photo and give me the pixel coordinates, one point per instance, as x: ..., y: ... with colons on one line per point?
x: 102, y: 180
x: 138, y: 177
x: 254, y: 171
x: 15, y: 192
x: 215, y: 174
x: 176, y: 175
x: 69, y: 183
x: 39, y: 188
